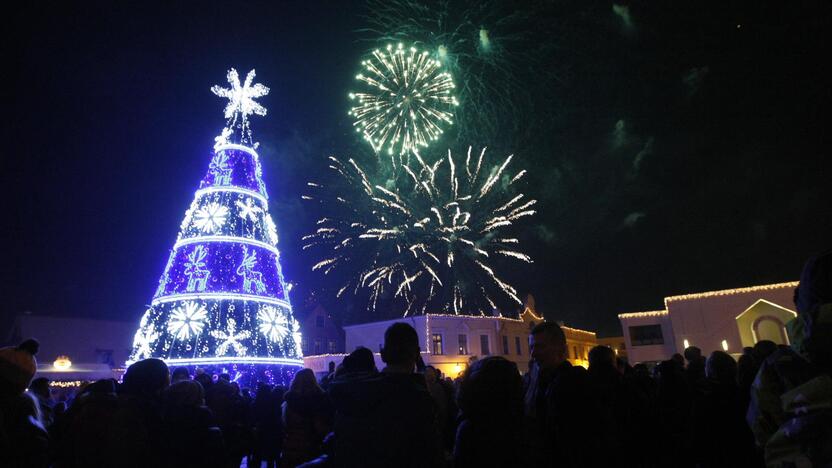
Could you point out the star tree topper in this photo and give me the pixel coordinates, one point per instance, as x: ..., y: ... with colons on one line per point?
x: 240, y: 105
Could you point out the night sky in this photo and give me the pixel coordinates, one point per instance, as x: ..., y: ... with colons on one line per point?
x: 675, y: 147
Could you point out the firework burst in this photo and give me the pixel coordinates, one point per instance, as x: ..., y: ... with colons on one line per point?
x: 429, y: 241
x: 405, y: 103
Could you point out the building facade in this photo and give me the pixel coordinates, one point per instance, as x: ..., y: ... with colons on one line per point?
x: 321, y: 333
x: 726, y: 320
x: 450, y: 342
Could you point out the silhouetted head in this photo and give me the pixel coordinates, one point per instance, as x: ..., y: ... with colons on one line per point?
x: 185, y: 393
x: 304, y: 383
x: 722, y: 368
x: 678, y: 359
x: 179, y: 374
x: 491, y: 388
x: 401, y: 345
x: 811, y: 332
x: 40, y: 387
x: 548, y: 345
x: 815, y: 285
x: 692, y: 353
x: 763, y: 349
x: 602, y: 358
x: 18, y: 366
x: 360, y: 360
x: 148, y: 377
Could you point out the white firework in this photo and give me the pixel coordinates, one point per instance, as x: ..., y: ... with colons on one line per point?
x: 231, y: 339
x: 143, y: 342
x: 248, y: 210
x: 210, y: 217
x: 431, y: 241
x: 273, y: 325
x: 187, y: 320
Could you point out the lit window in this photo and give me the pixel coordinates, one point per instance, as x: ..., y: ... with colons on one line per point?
x: 436, y: 343
x: 518, y: 346
x: 318, y: 349
x: 463, y: 345
x: 505, y: 345
x: 484, y: 348
x: 332, y: 346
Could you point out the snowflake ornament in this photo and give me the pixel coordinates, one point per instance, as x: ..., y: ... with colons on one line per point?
x: 273, y: 325
x: 241, y: 103
x: 187, y: 320
x: 143, y: 342
x: 231, y: 339
x: 210, y: 217
x: 248, y: 209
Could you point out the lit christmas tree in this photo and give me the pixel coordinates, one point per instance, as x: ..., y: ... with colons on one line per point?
x: 222, y: 302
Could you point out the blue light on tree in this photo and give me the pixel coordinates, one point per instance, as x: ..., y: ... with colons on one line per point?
x: 222, y: 301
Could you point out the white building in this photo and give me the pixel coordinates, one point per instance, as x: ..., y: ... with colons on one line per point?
x: 449, y: 342
x: 726, y: 320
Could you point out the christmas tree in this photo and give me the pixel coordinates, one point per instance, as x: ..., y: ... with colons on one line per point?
x: 222, y: 302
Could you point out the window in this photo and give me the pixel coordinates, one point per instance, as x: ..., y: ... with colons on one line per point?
x: 505, y: 345
x: 575, y: 352
x: 332, y: 346
x: 436, y: 344
x: 484, y: 348
x: 319, y: 321
x: 518, y: 346
x: 646, y: 335
x: 463, y: 345
x: 318, y: 349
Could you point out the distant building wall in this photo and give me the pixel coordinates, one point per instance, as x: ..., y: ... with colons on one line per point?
x: 715, y: 320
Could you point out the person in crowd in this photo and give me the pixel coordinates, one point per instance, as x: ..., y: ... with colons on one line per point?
x: 695, y: 369
x: 41, y: 390
x: 440, y: 401
x: 268, y: 426
x: 307, y: 419
x: 106, y: 427
x: 557, y: 405
x: 388, y: 418
x: 790, y: 413
x: 330, y: 374
x: 224, y: 399
x: 672, y: 406
x: 621, y: 410
x: 191, y: 436
x: 491, y: 409
x: 718, y: 429
x: 23, y: 439
x: 179, y: 374
x: 205, y: 380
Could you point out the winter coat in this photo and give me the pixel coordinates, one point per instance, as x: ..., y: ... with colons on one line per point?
x: 384, y: 420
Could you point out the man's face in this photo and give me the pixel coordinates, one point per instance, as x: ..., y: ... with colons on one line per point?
x: 546, y: 352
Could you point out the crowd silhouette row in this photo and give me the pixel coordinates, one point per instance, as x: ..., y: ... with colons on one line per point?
x: 771, y: 407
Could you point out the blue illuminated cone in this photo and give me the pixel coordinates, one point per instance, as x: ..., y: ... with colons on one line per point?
x: 222, y: 301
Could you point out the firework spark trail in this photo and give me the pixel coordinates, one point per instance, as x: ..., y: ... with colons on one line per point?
x: 427, y: 241
x: 406, y: 102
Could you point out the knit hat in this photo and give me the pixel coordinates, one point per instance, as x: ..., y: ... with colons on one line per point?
x: 18, y: 364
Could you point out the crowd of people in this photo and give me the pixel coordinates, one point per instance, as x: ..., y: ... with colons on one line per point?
x: 772, y: 407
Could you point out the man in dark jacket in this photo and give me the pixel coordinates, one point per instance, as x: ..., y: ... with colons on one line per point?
x: 558, y: 406
x: 388, y: 418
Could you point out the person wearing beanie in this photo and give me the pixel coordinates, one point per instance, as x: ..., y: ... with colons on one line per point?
x: 18, y: 366
x: 23, y: 439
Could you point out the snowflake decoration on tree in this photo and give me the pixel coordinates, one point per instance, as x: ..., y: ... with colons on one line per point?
x: 210, y: 217
x: 273, y: 324
x: 143, y: 342
x: 248, y: 209
x: 231, y: 339
x: 187, y: 320
x: 241, y: 104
